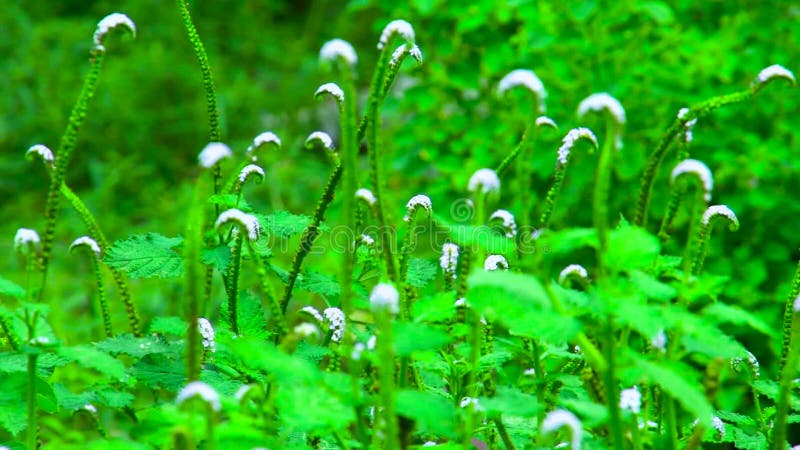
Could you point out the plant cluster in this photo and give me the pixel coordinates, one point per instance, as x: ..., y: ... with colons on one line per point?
x: 499, y: 345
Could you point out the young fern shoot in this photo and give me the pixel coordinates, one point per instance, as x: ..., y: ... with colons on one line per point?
x: 96, y: 253
x: 573, y: 136
x: 704, y: 234
x: 686, y: 168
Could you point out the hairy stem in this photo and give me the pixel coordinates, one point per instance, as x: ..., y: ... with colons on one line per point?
x: 65, y: 149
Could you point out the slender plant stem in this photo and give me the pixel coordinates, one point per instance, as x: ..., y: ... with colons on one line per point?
x: 788, y: 313
x: 610, y: 384
x: 386, y: 374
x: 310, y: 234
x: 97, y: 234
x: 350, y: 146
x: 191, y: 255
x: 62, y: 158
x: 233, y: 281
x: 503, y: 432
x: 32, y: 402
x: 101, y: 298
x: 788, y: 373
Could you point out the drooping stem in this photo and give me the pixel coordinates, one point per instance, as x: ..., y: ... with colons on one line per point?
x: 350, y: 146
x: 655, y: 158
x: 194, y: 280
x: 97, y: 234
x: 233, y: 280
x: 374, y: 144
x: 310, y: 234
x: 788, y: 373
x: 62, y: 158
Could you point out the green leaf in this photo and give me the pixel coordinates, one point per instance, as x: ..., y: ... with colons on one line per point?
x: 722, y: 313
x: 69, y: 401
x: 631, y: 248
x: 14, y: 392
x: 510, y: 401
x: 283, y: 224
x: 673, y: 381
x: 483, y: 237
x: 651, y: 287
x: 432, y: 413
x: 133, y: 346
x: 436, y: 308
x: 146, y: 256
x: 520, y: 303
x: 166, y: 374
x: 251, y: 320
x: 18, y: 362
x: 660, y: 12
x: 218, y: 257
x: 410, y: 337
x: 569, y: 240
x: 420, y: 272
x: 114, y: 398
x: 742, y: 440
x: 321, y: 284
x: 171, y: 326
x: 228, y: 201
x: 11, y: 289
x: 93, y: 358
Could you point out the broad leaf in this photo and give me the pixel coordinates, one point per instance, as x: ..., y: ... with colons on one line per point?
x: 146, y: 256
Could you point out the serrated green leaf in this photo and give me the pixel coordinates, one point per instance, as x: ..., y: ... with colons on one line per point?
x: 510, y: 401
x: 631, y: 248
x: 18, y: 362
x: 166, y: 374
x: 722, y: 313
x: 569, y: 240
x: 217, y: 257
x: 410, y: 337
x: 675, y: 383
x: 742, y: 440
x: 114, y: 398
x: 432, y: 413
x: 651, y: 287
x: 320, y: 284
x: 251, y: 320
x: 14, y: 392
x: 10, y: 289
x: 171, y: 326
x: 311, y: 353
x: 437, y: 308
x: 133, y: 346
x: 69, y: 401
x: 283, y: 224
x: 146, y: 256
x: 228, y: 201
x: 520, y: 303
x: 482, y: 237
x: 93, y: 358
x: 420, y: 272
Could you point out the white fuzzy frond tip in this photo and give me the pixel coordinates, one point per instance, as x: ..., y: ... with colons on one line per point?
x: 527, y: 79
x: 207, y: 333
x: 88, y: 242
x: 572, y: 137
x: 366, y: 195
x: 563, y: 418
x: 336, y: 49
x: 335, y: 319
x: 399, y: 27
x: 544, y: 121
x: 384, y: 296
x: 201, y: 390
x: 573, y: 270
x: 509, y: 224
x: 631, y: 400
x: 44, y: 152
x: 700, y: 170
x: 321, y: 137
x: 331, y: 89
x: 721, y: 210
x: 108, y: 23
x: 213, y: 153
x: 247, y: 221
x: 267, y: 137
x: 249, y: 170
x: 773, y: 72
x: 602, y: 101
x: 416, y: 202
x: 25, y: 237
x: 403, y: 50
x: 484, y: 181
x: 495, y: 262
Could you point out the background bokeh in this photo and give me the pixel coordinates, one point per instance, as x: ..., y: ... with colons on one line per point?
x: 137, y: 150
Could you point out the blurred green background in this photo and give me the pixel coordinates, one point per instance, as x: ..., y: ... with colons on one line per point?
x: 137, y: 150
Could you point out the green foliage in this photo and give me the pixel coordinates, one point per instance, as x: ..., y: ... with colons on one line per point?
x: 146, y: 256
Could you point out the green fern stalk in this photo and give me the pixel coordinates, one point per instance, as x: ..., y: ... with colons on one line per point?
x: 788, y: 313
x: 310, y: 234
x: 350, y: 146
x: 601, y: 189
x: 97, y: 234
x: 62, y: 158
x: 788, y: 373
x: 677, y: 126
x: 266, y: 287
x: 31, y: 432
x: 374, y: 145
x: 386, y: 381
x: 101, y: 298
x: 233, y: 280
x: 193, y: 279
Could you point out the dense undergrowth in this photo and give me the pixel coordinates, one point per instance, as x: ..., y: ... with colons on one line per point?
x: 358, y: 322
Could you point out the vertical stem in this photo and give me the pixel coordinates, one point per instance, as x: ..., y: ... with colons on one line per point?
x: 101, y: 298
x: 788, y: 372
x: 612, y: 392
x: 233, y: 281
x: 191, y: 255
x: 67, y: 145
x: 386, y: 378
x: 350, y: 146
x: 32, y: 401
x: 602, y: 185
